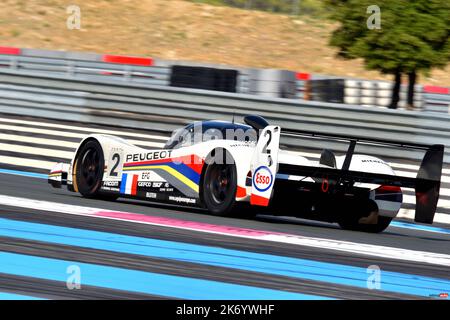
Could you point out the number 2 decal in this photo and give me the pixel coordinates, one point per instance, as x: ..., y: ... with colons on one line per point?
x: 115, y: 163
x: 265, y: 149
x: 116, y: 158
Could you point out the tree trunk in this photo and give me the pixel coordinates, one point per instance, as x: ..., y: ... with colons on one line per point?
x: 412, y: 78
x: 396, y: 90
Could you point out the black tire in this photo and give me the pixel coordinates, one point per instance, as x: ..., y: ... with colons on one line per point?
x: 89, y: 168
x: 352, y: 223
x: 219, y: 184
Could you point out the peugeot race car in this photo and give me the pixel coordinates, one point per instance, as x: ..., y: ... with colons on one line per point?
x: 228, y: 167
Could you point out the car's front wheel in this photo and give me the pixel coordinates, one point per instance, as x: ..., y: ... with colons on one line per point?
x: 89, y: 167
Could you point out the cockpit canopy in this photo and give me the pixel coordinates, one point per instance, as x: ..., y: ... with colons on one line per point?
x: 202, y: 131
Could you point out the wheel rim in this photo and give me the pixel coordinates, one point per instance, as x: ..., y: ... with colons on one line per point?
x: 220, y: 183
x: 90, y: 169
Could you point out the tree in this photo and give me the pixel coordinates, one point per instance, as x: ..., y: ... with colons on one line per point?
x: 413, y: 38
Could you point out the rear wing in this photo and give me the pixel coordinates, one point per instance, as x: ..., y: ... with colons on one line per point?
x: 426, y: 184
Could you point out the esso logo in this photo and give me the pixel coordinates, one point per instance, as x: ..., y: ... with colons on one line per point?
x: 262, y: 179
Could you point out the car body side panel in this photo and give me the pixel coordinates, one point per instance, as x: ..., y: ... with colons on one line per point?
x: 167, y: 175
x: 175, y: 175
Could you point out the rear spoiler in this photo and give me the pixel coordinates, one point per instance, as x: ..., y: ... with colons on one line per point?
x: 426, y: 184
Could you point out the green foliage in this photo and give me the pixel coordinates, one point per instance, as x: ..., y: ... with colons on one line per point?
x: 414, y: 34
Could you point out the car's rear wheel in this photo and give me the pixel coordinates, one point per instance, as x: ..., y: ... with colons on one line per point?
x: 219, y: 186
x: 367, y: 219
x: 89, y: 168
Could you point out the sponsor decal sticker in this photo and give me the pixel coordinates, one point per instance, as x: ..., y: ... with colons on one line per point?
x: 111, y: 183
x: 154, y: 155
x: 182, y: 199
x: 374, y: 161
x: 149, y: 184
x: 148, y: 175
x: 111, y: 186
x: 150, y: 195
x: 262, y: 179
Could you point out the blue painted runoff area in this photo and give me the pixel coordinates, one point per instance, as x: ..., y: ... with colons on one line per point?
x: 333, y: 273
x: 138, y: 281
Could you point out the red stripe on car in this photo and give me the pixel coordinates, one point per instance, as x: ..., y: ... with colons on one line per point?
x: 134, y: 185
x: 241, y: 192
x: 258, y: 200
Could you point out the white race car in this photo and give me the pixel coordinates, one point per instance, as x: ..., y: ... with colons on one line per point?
x: 227, y: 166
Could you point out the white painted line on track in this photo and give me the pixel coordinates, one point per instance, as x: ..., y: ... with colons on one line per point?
x: 162, y: 138
x: 36, y: 151
x: 72, y: 135
x: 30, y: 163
x: 41, y: 141
x: 413, y: 167
x: 444, y: 178
x: 412, y: 200
x: 322, y: 243
x: 87, y: 129
x: 43, y: 131
x: 442, y: 192
x: 140, y: 142
x: 409, y: 214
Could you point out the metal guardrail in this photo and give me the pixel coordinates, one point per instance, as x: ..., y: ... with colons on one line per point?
x: 157, y: 74
x: 126, y: 104
x: 96, y: 70
x: 437, y: 103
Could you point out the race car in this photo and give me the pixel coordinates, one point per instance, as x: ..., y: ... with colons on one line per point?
x: 234, y: 168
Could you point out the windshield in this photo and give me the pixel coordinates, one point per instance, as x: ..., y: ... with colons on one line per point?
x: 174, y: 139
x: 210, y: 130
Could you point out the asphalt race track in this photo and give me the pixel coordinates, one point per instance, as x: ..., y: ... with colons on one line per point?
x: 138, y: 250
